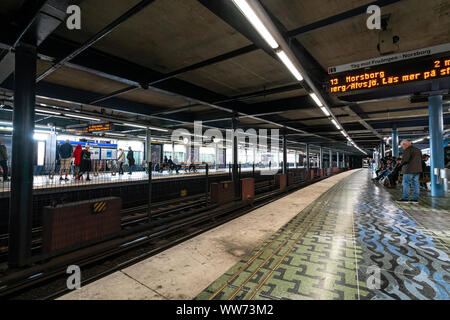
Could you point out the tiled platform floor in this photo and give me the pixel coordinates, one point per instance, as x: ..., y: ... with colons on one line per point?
x: 354, y: 242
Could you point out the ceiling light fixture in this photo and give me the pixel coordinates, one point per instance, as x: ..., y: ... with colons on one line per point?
x: 325, y: 111
x: 81, y: 117
x: 135, y: 125
x: 316, y: 99
x: 288, y: 63
x: 49, y: 112
x: 336, y: 124
x: 256, y: 22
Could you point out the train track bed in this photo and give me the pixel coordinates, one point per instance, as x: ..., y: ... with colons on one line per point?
x: 137, y: 241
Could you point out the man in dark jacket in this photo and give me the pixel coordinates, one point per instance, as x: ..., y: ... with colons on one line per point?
x: 4, y: 160
x: 130, y: 157
x: 411, y: 168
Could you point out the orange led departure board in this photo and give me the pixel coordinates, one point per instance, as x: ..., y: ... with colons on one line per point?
x: 97, y: 127
x: 390, y: 75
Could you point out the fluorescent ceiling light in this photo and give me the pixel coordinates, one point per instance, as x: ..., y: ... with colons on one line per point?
x: 144, y: 127
x: 135, y: 125
x: 343, y: 133
x: 250, y: 14
x: 336, y: 124
x: 5, y: 123
x: 49, y: 112
x: 116, y: 134
x: 158, y: 129
x: 325, y: 111
x: 81, y: 117
x: 42, y: 131
x: 316, y: 99
x: 6, y: 129
x: 288, y: 63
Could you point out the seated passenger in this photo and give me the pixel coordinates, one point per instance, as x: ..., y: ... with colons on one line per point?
x: 190, y: 166
x: 426, y: 171
x: 383, y: 173
x: 393, y: 176
x: 176, y: 165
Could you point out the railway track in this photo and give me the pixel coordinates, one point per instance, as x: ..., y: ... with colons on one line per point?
x: 136, y: 215
x: 169, y: 227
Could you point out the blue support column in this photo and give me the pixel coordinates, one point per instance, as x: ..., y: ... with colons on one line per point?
x: 436, y: 142
x: 395, y: 142
x: 337, y: 160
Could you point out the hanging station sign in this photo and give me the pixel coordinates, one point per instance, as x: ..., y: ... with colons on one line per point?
x: 98, y: 127
x: 393, y: 58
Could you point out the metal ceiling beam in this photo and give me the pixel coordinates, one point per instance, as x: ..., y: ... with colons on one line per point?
x: 339, y: 18
x: 113, y: 94
x: 36, y: 21
x: 291, y: 34
x: 355, y: 111
x: 256, y: 94
x: 208, y: 62
x: 106, y: 66
x: 103, y: 33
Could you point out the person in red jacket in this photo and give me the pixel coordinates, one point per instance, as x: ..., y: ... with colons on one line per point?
x: 77, y: 160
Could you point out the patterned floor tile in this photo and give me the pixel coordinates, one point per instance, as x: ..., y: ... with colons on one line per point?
x: 353, y: 242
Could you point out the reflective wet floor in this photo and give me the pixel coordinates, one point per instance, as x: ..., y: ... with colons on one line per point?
x: 354, y: 242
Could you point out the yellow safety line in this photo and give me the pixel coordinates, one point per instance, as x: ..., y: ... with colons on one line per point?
x: 260, y: 252
x: 284, y: 256
x: 273, y: 253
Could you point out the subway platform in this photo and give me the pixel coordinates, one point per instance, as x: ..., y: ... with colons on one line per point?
x: 341, y: 238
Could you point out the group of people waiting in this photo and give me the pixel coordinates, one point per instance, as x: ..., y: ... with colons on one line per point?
x: 388, y: 171
x: 412, y: 165
x: 172, y: 165
x: 168, y: 164
x: 82, y: 161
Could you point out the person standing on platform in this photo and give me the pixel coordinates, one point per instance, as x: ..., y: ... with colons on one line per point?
x: 176, y: 164
x: 4, y: 160
x: 131, y: 161
x: 65, y: 153
x: 411, y: 168
x: 77, y: 160
x: 85, y: 165
x: 121, y: 160
x: 170, y: 165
